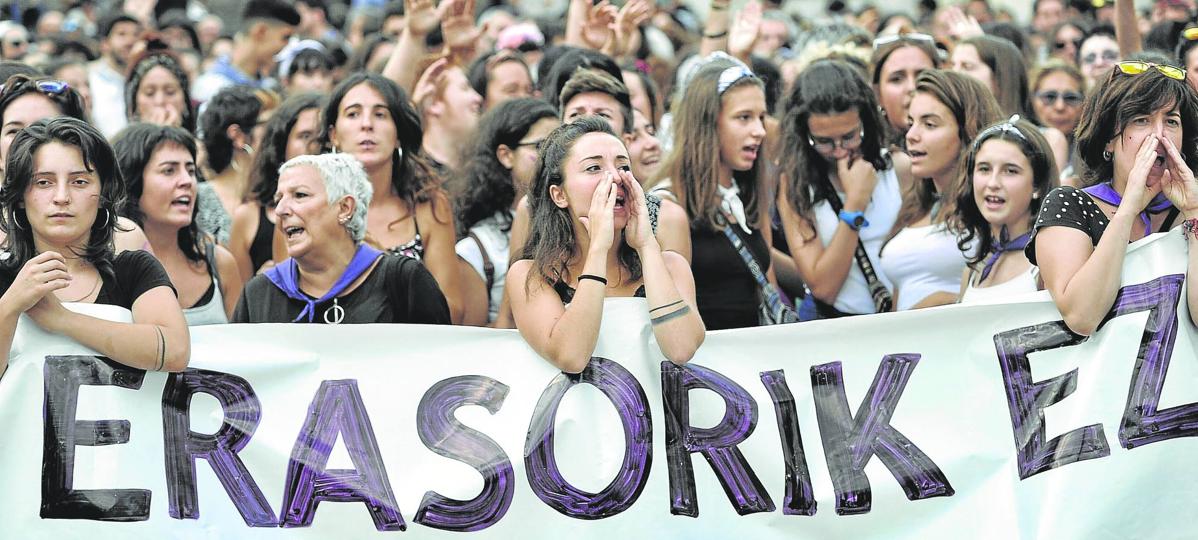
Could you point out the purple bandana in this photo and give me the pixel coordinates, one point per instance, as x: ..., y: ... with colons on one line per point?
x: 1002, y: 245
x: 285, y: 276
x: 1107, y: 194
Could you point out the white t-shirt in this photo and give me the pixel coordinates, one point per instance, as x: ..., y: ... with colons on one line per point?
x: 921, y: 261
x: 495, y: 236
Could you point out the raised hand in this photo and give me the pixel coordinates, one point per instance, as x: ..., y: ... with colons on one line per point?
x: 600, y: 219
x: 858, y: 178
x: 745, y: 29
x: 596, y: 29
x: 960, y: 25
x: 639, y: 230
x: 426, y: 85
x: 461, y: 36
x: 38, y: 278
x: 423, y: 16
x: 624, y: 29
x: 1179, y: 184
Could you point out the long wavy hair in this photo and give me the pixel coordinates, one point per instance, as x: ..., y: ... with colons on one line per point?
x: 973, y: 108
x: 967, y: 222
x: 1008, y: 70
x: 98, y: 157
x: 827, y: 87
x: 551, y: 236
x: 483, y: 186
x: 134, y: 146
x: 412, y: 178
x: 694, y: 163
x: 272, y: 151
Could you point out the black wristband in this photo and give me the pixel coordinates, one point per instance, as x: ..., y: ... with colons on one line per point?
x: 717, y: 35
x: 593, y: 278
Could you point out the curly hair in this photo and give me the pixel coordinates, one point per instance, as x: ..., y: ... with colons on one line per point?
x: 134, y: 147
x: 272, y: 150
x: 483, y: 186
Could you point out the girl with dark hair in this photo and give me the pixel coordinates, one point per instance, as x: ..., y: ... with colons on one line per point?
x: 370, y: 117
x: 158, y: 164
x: 292, y: 131
x: 840, y: 191
x: 591, y: 239
x: 1138, y: 132
x: 896, y: 63
x: 499, y: 76
x: 715, y: 175
x: 921, y: 257
x: 226, y: 129
x: 1007, y: 172
x: 498, y: 168
x: 158, y: 92
x: 58, y: 206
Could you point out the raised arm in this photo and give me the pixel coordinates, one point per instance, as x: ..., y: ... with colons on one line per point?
x: 421, y: 18
x: 1127, y: 30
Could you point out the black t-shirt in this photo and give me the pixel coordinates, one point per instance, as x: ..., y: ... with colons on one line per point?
x: 398, y: 290
x: 1067, y: 206
x: 726, y: 292
x: 136, y: 272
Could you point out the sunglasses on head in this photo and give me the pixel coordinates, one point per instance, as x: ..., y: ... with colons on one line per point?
x: 1050, y: 97
x: 1190, y: 34
x: 1136, y: 68
x: 52, y: 87
x: 884, y: 40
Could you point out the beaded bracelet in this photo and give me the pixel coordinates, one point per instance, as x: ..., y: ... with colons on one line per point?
x: 1189, y: 228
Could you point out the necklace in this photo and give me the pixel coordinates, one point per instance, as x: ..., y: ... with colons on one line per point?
x: 95, y: 286
x: 334, y: 314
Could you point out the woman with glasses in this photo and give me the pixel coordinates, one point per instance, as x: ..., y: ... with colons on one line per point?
x: 1137, y: 133
x: 921, y: 257
x: 840, y: 191
x: 1097, y: 53
x: 1058, y: 90
x: 896, y: 63
x: 1066, y: 38
x: 497, y: 171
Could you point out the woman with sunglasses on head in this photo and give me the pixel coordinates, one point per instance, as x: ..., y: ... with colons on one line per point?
x: 590, y: 239
x: 715, y: 175
x: 159, y: 167
x: 158, y: 92
x: 1007, y: 172
x: 896, y: 63
x: 58, y: 204
x: 840, y: 191
x: 369, y: 117
x: 1058, y: 90
x: 921, y: 256
x: 498, y: 168
x: 292, y: 131
x: 1139, y: 129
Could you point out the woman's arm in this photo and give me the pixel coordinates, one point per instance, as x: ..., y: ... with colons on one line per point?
x: 670, y: 290
x: 939, y: 298
x: 38, y: 278
x: 1083, y: 279
x: 564, y: 337
x: 422, y: 17
x: 474, y: 295
x: 823, y: 269
x: 241, y: 236
x: 1127, y: 29
x: 231, y: 281
x: 439, y: 255
x: 673, y: 229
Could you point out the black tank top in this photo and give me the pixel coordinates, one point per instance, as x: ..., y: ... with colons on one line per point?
x: 261, y: 249
x: 725, y: 290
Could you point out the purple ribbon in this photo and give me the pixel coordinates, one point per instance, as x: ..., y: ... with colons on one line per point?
x: 1002, y: 245
x: 285, y: 276
x: 1107, y: 194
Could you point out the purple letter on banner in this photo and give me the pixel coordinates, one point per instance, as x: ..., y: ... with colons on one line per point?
x: 442, y: 433
x: 633, y: 407
x: 62, y: 433
x: 1142, y: 422
x: 850, y: 441
x: 241, y: 411
x: 336, y: 409
x: 800, y: 500
x: 717, y: 444
x: 1027, y: 400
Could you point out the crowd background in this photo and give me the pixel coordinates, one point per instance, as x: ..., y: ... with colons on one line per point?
x: 514, y: 164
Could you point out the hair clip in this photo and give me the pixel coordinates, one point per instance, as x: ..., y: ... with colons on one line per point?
x: 731, y: 76
x: 1004, y: 127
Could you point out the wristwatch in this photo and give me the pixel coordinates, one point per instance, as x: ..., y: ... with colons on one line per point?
x: 855, y: 220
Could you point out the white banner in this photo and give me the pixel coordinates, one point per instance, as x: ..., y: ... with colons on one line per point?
x: 978, y: 421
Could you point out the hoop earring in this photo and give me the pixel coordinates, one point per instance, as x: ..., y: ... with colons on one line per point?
x: 16, y: 221
x: 107, y: 215
x: 1106, y: 156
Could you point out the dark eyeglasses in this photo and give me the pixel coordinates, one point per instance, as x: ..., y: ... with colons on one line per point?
x: 18, y: 43
x: 1136, y: 68
x: 1060, y: 45
x: 1050, y: 97
x: 533, y: 143
x: 52, y: 87
x: 1108, y: 55
x: 851, y: 141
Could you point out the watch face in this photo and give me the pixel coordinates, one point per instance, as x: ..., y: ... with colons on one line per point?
x: 859, y: 220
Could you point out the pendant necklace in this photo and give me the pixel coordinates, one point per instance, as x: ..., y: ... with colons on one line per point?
x: 334, y: 314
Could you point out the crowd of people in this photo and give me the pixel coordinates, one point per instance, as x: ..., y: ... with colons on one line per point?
x: 513, y: 165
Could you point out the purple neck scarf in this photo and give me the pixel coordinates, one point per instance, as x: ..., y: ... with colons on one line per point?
x: 1107, y: 194
x: 1002, y: 245
x: 285, y: 276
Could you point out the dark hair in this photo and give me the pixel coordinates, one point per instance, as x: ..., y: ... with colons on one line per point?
x: 310, y: 60
x: 177, y: 18
x: 650, y: 87
x: 1008, y: 71
x: 563, y: 70
x: 586, y: 81
x: 771, y: 80
x: 967, y: 221
x: 97, y: 157
x: 1115, y: 101
x: 550, y: 242
x: 69, y: 101
x: 412, y: 177
x: 549, y: 57
x: 141, y: 66
x: 134, y: 146
x: 826, y: 87
x: 1099, y: 30
x: 1184, y: 46
x: 1007, y: 31
x: 278, y: 11
x: 8, y: 68
x: 232, y: 106
x: 483, y: 186
x: 1164, y: 36
x: 109, y: 21
x: 479, y: 73
x: 272, y: 150
x: 361, y: 57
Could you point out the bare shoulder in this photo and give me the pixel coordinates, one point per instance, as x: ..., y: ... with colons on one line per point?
x: 129, y: 236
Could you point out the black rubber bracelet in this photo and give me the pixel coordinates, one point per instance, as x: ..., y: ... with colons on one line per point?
x: 716, y: 36
x: 602, y: 280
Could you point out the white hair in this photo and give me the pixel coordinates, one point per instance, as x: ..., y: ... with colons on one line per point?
x: 343, y: 175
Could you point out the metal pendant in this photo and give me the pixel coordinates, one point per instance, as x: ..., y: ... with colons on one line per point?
x: 334, y: 314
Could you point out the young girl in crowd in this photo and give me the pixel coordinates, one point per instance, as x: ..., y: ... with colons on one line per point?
x: 840, y: 191
x: 897, y: 62
x: 158, y: 92
x: 159, y: 167
x: 921, y: 257
x: 59, y: 205
x: 498, y: 168
x: 292, y: 131
x: 1137, y: 135
x: 1007, y: 173
x: 715, y: 175
x: 227, y: 132
x: 591, y: 239
x: 370, y: 118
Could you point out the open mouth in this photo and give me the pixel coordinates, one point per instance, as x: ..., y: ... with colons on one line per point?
x: 751, y: 150
x: 292, y: 232
x: 183, y: 202
x: 916, y: 154
x: 621, y: 198
x: 994, y: 201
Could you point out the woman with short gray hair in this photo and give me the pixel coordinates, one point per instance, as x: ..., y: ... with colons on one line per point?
x: 332, y: 275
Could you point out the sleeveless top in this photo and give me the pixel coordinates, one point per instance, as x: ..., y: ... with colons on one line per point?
x: 212, y: 312
x: 920, y: 261
x: 261, y: 248
x: 997, y: 294
x: 493, y: 244
x: 566, y: 292
x: 882, y: 211
x: 413, y: 248
x: 726, y: 292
